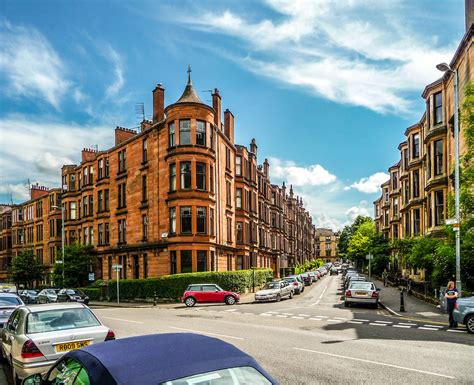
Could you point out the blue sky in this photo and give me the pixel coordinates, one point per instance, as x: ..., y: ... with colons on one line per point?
x: 327, y: 88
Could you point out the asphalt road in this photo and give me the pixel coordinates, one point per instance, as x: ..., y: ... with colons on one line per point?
x: 313, y: 339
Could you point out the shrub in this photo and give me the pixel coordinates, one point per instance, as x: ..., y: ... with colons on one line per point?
x: 92, y: 292
x: 173, y: 286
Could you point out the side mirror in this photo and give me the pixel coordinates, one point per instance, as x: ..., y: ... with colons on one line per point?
x: 34, y: 379
x: 378, y: 289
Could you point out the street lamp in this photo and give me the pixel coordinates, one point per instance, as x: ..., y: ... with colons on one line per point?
x: 62, y: 233
x: 443, y: 67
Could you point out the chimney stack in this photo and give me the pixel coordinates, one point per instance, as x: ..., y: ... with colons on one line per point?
x: 158, y: 103
x: 229, y: 125
x: 253, y: 147
x: 266, y: 167
x: 216, y: 104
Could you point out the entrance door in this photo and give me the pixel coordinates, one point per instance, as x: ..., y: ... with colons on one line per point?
x: 136, y: 267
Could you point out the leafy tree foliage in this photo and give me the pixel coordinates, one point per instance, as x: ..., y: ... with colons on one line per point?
x: 26, y: 269
x: 79, y: 262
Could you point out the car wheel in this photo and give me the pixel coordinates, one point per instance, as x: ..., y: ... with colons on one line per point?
x: 346, y: 304
x: 470, y: 323
x: 48, y: 300
x: 278, y: 298
x: 291, y: 294
x: 230, y: 300
x: 190, y: 301
x: 302, y: 289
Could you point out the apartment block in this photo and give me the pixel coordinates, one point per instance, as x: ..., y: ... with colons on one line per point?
x: 414, y: 200
x: 325, y: 244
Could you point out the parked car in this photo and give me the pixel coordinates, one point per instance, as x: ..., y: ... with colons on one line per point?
x: 333, y: 271
x: 318, y: 274
x: 464, y: 313
x: 8, y: 303
x: 35, y: 336
x: 47, y: 296
x: 297, y: 283
x: 306, y: 279
x: 362, y: 293
x: 275, y: 291
x: 29, y: 296
x: 182, y: 358
x: 313, y: 276
x: 358, y: 278
x: 208, y: 293
x: 72, y: 295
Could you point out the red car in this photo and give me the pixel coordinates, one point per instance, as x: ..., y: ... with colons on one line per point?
x: 208, y: 293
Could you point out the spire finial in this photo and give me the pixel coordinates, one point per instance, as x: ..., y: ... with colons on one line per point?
x: 189, y: 74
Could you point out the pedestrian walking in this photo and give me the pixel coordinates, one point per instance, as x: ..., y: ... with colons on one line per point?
x: 385, y: 277
x: 451, y: 298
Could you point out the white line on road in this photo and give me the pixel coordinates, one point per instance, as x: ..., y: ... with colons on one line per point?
x: 124, y: 320
x: 297, y: 317
x: 359, y: 319
x: 341, y: 318
x: 373, y: 323
x: 334, y: 320
x: 316, y: 319
x: 266, y: 314
x: 456, y: 331
x: 354, y: 322
x: 209, y: 333
x: 232, y: 310
x: 281, y: 316
x: 401, y: 326
x: 376, y: 363
x: 321, y: 296
x: 407, y: 323
x: 422, y: 328
x: 434, y: 326
x: 384, y: 322
x: 315, y: 303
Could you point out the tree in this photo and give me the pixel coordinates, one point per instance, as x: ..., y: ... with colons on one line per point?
x: 26, y: 269
x: 79, y: 262
x: 361, y: 241
x: 347, y: 233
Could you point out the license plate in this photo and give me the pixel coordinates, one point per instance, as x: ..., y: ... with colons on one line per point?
x: 361, y: 293
x: 71, y: 346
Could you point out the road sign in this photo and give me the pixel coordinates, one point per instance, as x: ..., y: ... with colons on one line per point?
x: 369, y: 256
x: 59, y: 261
x: 91, y: 276
x: 117, y: 267
x: 451, y: 221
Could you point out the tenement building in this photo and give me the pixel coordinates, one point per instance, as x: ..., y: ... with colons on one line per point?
x: 414, y: 200
x: 35, y: 225
x: 325, y: 243
x: 180, y: 196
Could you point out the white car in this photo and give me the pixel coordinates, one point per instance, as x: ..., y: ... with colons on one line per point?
x: 8, y: 303
x: 274, y: 291
x: 36, y: 336
x: 361, y: 292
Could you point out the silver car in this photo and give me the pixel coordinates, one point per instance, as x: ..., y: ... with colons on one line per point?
x: 464, y: 312
x: 36, y: 336
x: 47, y: 296
x: 360, y: 292
x: 8, y: 303
x: 274, y: 291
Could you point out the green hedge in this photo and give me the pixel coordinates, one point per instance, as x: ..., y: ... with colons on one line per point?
x: 173, y: 286
x: 92, y: 292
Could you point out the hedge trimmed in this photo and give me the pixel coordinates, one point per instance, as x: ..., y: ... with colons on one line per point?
x: 92, y: 292
x: 173, y: 286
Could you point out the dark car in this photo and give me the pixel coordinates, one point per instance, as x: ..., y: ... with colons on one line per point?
x: 333, y: 271
x: 306, y: 279
x: 171, y: 359
x: 72, y: 295
x: 208, y: 293
x: 29, y: 296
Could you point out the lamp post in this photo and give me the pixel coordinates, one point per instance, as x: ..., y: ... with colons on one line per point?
x: 62, y: 234
x: 443, y: 67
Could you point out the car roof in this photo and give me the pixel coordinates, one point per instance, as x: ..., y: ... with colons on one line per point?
x: 2, y: 294
x: 157, y: 358
x: 55, y: 306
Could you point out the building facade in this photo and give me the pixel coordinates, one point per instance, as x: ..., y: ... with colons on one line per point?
x: 180, y: 196
x: 325, y: 244
x: 414, y: 200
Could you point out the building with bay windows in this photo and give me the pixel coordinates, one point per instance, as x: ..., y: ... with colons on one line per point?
x: 178, y: 195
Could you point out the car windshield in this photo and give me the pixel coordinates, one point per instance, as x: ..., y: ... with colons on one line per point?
x: 272, y: 285
x: 235, y: 376
x: 9, y: 301
x: 72, y: 291
x: 60, y: 319
x: 361, y: 286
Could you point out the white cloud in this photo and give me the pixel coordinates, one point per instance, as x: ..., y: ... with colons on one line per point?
x: 313, y: 175
x: 355, y: 211
x: 355, y: 52
x: 41, y: 159
x: 117, y: 68
x: 18, y: 192
x: 31, y: 67
x: 371, y: 184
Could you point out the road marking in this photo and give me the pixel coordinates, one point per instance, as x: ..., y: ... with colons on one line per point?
x: 401, y: 326
x: 407, y: 323
x: 334, y: 320
x: 322, y: 316
x: 281, y: 316
x: 373, y: 323
x: 316, y: 319
x: 341, y: 318
x: 354, y: 322
x: 231, y: 310
x: 321, y: 296
x: 202, y: 332
x: 297, y: 317
x: 359, y: 319
x: 376, y: 363
x: 456, y: 331
x: 422, y: 328
x: 384, y: 322
x: 434, y: 326
x: 313, y: 304
x: 266, y: 314
x: 124, y: 320
x: 304, y: 315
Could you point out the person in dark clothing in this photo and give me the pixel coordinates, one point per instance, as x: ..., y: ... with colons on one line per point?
x: 451, y: 298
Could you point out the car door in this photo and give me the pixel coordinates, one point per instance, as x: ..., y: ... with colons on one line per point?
x: 210, y: 293
x: 286, y: 288
x: 9, y: 332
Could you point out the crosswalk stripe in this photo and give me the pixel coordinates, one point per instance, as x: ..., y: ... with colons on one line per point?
x: 401, y: 326
x: 373, y: 323
x: 355, y: 322
x: 423, y: 328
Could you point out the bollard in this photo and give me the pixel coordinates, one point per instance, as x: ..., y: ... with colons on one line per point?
x: 402, y: 301
x: 154, y: 298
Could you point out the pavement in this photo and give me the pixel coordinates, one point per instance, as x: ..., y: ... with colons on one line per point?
x: 314, y: 339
